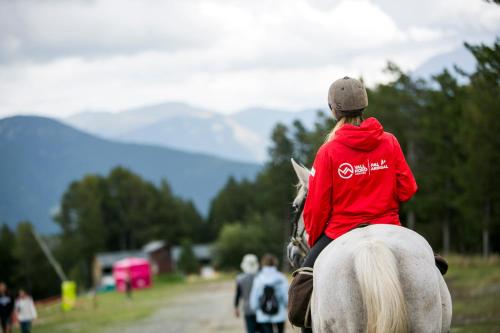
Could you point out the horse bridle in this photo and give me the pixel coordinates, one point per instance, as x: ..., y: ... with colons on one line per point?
x: 296, y: 239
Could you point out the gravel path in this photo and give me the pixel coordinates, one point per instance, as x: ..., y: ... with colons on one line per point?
x: 205, y: 308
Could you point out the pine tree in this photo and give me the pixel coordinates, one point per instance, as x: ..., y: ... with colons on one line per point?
x: 188, y: 264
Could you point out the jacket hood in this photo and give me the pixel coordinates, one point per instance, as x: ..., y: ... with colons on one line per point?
x: 365, y: 137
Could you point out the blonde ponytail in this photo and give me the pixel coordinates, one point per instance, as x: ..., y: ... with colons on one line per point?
x: 356, y: 121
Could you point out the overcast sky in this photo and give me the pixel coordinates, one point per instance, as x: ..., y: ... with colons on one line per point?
x: 61, y: 57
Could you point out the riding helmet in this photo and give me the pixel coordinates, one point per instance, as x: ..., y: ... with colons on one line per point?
x: 347, y: 95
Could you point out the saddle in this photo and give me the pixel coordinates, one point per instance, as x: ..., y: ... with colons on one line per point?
x: 299, y: 297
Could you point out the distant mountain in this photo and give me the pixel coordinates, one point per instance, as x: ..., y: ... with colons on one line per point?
x: 263, y: 120
x: 216, y: 135
x: 41, y: 156
x: 244, y: 136
x: 110, y: 125
x: 435, y: 65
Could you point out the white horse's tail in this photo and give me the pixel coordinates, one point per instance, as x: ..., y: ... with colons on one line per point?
x: 377, y: 273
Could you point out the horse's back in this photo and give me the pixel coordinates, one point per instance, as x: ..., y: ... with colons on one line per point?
x: 337, y: 301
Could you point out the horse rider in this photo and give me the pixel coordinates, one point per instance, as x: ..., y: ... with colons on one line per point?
x: 359, y: 177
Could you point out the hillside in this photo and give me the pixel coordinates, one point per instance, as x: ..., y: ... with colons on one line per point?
x: 242, y: 136
x: 41, y: 156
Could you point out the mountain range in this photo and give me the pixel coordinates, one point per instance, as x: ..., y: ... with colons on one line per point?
x: 194, y: 148
x: 41, y: 156
x: 242, y: 136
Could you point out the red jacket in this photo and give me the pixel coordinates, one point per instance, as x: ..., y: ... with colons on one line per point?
x: 359, y: 177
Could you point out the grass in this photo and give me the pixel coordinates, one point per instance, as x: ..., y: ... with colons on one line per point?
x: 108, y: 309
x: 111, y: 309
x: 474, y: 284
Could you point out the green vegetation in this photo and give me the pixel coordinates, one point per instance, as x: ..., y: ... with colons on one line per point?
x: 188, y: 264
x: 23, y: 264
x: 109, y: 309
x: 113, y: 309
x: 474, y: 284
x: 257, y: 237
x: 120, y: 211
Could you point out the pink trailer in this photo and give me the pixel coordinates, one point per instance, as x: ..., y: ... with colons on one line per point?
x: 138, y: 270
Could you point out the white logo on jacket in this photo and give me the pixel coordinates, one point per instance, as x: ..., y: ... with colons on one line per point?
x: 345, y: 170
x: 360, y: 169
x: 379, y: 165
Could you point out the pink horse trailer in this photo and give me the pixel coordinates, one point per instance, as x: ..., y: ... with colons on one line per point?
x: 138, y: 270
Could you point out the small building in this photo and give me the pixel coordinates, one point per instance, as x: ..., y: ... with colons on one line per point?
x: 159, y: 256
x: 103, y: 265
x: 162, y: 258
x: 202, y: 252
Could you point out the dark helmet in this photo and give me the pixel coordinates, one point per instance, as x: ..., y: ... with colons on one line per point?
x: 347, y: 96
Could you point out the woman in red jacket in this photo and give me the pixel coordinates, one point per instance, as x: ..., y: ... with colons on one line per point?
x: 359, y: 177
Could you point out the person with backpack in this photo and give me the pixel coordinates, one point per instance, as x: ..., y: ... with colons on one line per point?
x: 269, y: 296
x: 244, y: 282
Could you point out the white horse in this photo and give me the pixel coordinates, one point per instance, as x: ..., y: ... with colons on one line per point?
x: 376, y: 279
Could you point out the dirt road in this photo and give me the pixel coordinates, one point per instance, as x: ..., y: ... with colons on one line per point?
x: 205, y: 308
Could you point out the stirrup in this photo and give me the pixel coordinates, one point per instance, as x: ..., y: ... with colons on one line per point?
x: 303, y: 270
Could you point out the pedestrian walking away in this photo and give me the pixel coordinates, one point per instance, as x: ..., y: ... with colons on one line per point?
x: 269, y: 296
x: 244, y: 283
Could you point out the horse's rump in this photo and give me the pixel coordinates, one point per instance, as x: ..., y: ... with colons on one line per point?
x: 364, y: 268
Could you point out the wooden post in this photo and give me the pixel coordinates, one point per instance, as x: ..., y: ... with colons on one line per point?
x: 486, y: 228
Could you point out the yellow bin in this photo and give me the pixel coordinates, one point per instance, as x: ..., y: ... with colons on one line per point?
x: 68, y: 295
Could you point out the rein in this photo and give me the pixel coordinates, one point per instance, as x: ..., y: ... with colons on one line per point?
x: 296, y: 239
x: 296, y: 217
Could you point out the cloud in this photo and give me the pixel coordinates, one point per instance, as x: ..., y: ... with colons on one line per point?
x: 48, y: 30
x: 44, y: 30
x: 423, y: 34
x: 72, y: 84
x: 59, y: 57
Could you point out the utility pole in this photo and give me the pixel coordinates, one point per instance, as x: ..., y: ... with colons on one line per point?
x: 50, y: 257
x: 68, y: 288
